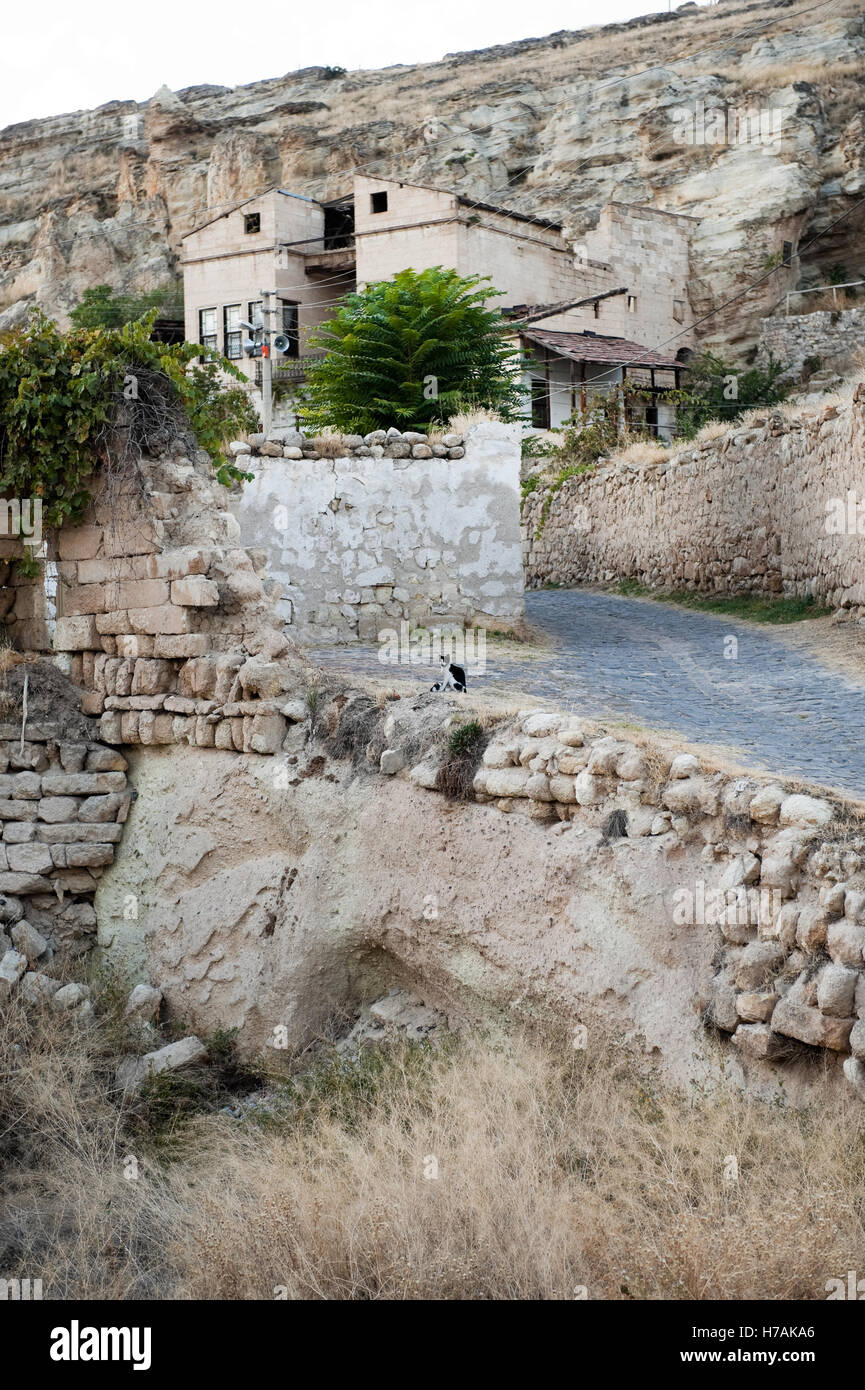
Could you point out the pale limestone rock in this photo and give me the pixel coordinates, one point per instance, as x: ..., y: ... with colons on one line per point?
x: 811, y: 928
x: 854, y: 1070
x: 684, y: 765
x: 765, y: 806
x: 757, y: 1040
x: 12, y: 967
x: 845, y: 942
x: 143, y: 1003
x: 588, y: 789
x: 754, y: 1006
x: 391, y: 761
x: 759, y: 961
x: 809, y: 812
x: 29, y: 941
x: 836, y: 989
x: 70, y: 997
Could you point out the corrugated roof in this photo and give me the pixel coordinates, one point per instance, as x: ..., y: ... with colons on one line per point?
x: 597, y: 347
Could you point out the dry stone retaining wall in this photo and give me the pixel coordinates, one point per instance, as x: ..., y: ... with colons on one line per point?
x: 831, y: 336
x: 743, y: 513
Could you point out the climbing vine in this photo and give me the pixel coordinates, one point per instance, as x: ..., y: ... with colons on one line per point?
x: 72, y: 402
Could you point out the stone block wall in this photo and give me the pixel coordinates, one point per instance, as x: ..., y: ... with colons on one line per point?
x: 63, y: 801
x: 165, y: 621
x: 396, y: 528
x: 747, y: 512
x: 831, y: 336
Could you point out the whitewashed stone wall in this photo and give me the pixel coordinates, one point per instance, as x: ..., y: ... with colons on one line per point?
x: 769, y: 508
x: 357, y: 544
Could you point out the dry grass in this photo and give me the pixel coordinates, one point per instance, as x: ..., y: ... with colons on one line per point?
x: 777, y: 75
x: 641, y: 452
x: 555, y: 1169
x: 713, y: 429
x: 462, y: 422
x: 329, y: 444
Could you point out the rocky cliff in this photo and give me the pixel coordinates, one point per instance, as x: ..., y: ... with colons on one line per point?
x: 554, y: 126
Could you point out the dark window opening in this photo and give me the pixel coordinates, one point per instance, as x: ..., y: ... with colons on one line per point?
x: 652, y: 419
x: 252, y: 222
x: 378, y: 202
x: 540, y: 404
x: 207, y: 328
x: 338, y: 227
x: 232, y: 332
x: 291, y: 327
x: 787, y: 253
x: 597, y: 309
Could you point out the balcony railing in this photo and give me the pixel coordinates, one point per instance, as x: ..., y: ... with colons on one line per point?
x: 293, y: 368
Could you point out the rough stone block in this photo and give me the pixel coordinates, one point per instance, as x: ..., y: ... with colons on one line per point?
x: 76, y: 634
x: 167, y: 621
x: 82, y: 783
x: 89, y: 856
x: 195, y: 592
x: 58, y: 808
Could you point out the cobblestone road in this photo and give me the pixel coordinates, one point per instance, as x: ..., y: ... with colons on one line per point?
x: 665, y: 667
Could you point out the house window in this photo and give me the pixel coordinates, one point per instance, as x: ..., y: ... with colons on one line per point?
x: 290, y: 327
x: 632, y: 303
x: 378, y: 202
x: 207, y: 328
x: 232, y: 332
x: 540, y: 403
x: 255, y: 312
x: 252, y: 222
x: 597, y: 309
x: 788, y: 252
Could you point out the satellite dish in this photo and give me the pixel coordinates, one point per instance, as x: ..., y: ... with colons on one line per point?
x: 281, y: 342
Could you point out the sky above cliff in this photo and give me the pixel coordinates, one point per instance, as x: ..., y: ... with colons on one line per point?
x: 58, y: 57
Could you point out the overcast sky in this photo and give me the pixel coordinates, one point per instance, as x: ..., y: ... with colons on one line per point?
x: 59, y: 56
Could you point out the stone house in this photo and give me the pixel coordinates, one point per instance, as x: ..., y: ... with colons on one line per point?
x: 623, y: 292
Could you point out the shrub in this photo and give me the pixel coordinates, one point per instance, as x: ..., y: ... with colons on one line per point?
x: 411, y: 351
x: 71, y: 402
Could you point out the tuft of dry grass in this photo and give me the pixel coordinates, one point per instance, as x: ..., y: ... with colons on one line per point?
x: 463, y: 421
x: 329, y: 444
x: 641, y: 452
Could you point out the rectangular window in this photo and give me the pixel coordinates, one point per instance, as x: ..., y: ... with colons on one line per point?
x: 597, y: 309
x: 290, y: 327
x: 252, y: 222
x: 678, y: 310
x: 378, y: 202
x: 788, y: 252
x: 232, y: 332
x: 632, y: 303
x: 207, y: 328
x: 255, y: 311
x: 540, y: 403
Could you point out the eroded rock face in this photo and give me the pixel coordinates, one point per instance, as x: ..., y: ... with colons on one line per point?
x: 268, y: 907
x: 539, y: 126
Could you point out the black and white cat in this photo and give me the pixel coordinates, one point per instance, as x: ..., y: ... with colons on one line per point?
x: 455, y: 678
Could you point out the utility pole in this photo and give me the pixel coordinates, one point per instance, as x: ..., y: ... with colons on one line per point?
x: 268, y: 298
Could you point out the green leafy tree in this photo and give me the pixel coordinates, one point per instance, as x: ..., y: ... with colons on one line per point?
x: 72, y: 402
x: 412, y: 351
x: 716, y: 390
x: 100, y: 307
